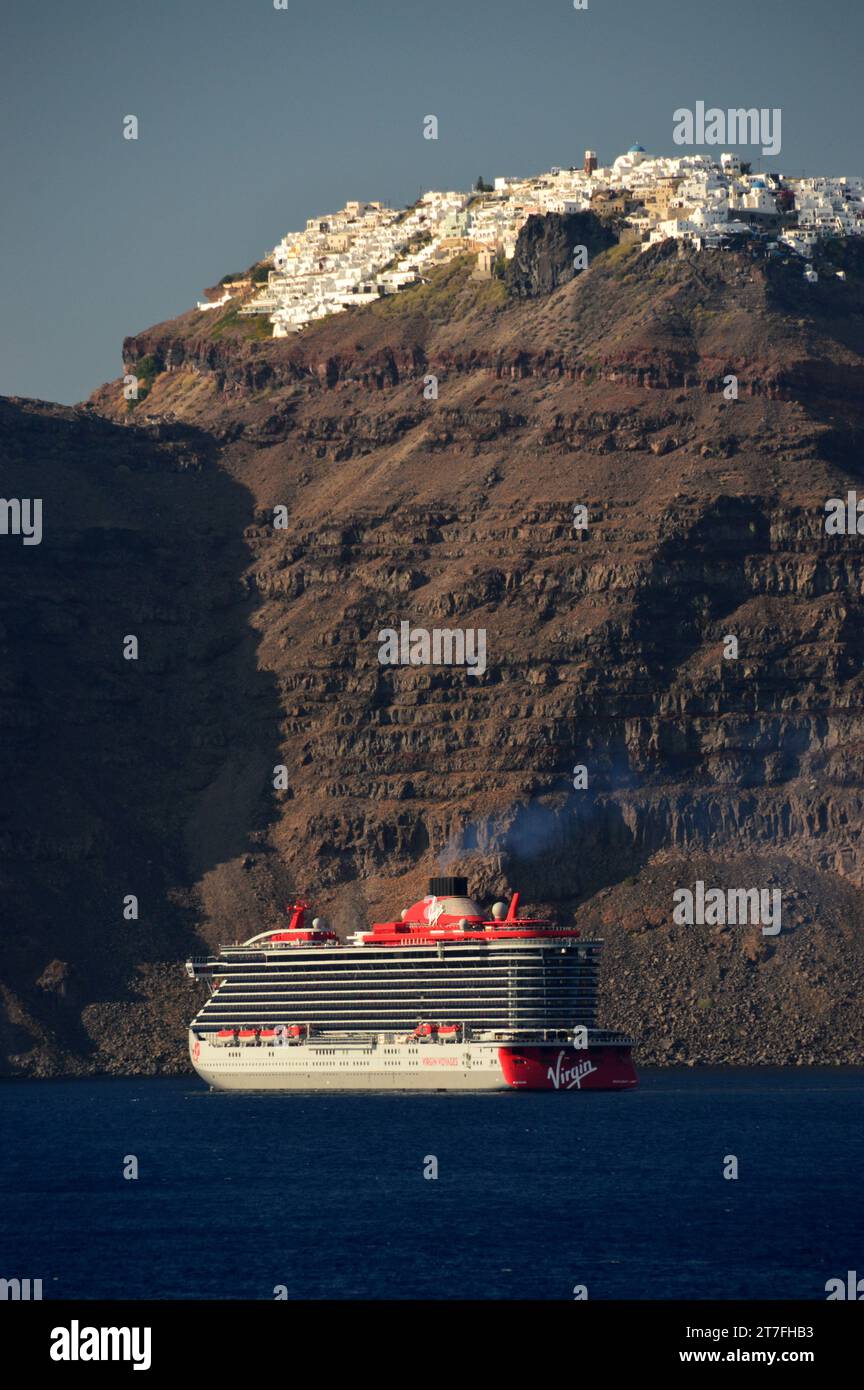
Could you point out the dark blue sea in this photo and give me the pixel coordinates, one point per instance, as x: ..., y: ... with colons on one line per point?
x: 535, y: 1194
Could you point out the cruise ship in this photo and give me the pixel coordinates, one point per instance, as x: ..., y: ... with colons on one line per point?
x: 447, y: 998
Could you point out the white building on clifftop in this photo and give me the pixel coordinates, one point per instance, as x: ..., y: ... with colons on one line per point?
x: 366, y: 250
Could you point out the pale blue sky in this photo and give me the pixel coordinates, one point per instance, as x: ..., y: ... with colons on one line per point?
x: 253, y: 119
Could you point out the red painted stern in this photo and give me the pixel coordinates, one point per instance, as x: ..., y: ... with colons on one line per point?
x: 563, y: 1068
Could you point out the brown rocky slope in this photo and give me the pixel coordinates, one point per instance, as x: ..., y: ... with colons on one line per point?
x: 258, y: 647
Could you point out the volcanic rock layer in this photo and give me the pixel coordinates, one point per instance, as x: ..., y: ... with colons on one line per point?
x: 267, y: 508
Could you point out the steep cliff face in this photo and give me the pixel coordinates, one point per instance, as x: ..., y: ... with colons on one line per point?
x: 607, y: 646
x: 122, y: 778
x: 545, y: 250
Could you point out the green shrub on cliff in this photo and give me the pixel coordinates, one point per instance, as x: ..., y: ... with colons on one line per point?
x: 230, y: 324
x: 446, y: 291
x: 146, y: 369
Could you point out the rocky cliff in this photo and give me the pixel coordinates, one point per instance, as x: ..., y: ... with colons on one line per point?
x: 546, y: 251
x: 266, y: 508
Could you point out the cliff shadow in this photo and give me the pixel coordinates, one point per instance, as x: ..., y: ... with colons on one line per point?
x: 139, y: 732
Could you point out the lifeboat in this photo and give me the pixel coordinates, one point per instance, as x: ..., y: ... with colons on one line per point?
x: 446, y: 1032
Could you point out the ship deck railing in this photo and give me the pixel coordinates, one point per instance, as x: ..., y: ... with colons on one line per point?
x: 597, y: 1037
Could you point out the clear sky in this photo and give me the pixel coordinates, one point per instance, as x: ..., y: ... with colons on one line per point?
x: 252, y: 119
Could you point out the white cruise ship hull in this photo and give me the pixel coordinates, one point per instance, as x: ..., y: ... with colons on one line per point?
x: 373, y: 1066
x: 361, y: 1067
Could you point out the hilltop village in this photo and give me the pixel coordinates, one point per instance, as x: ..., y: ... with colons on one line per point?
x: 353, y: 257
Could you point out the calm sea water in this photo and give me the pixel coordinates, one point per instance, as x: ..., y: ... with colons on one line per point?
x: 535, y: 1193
